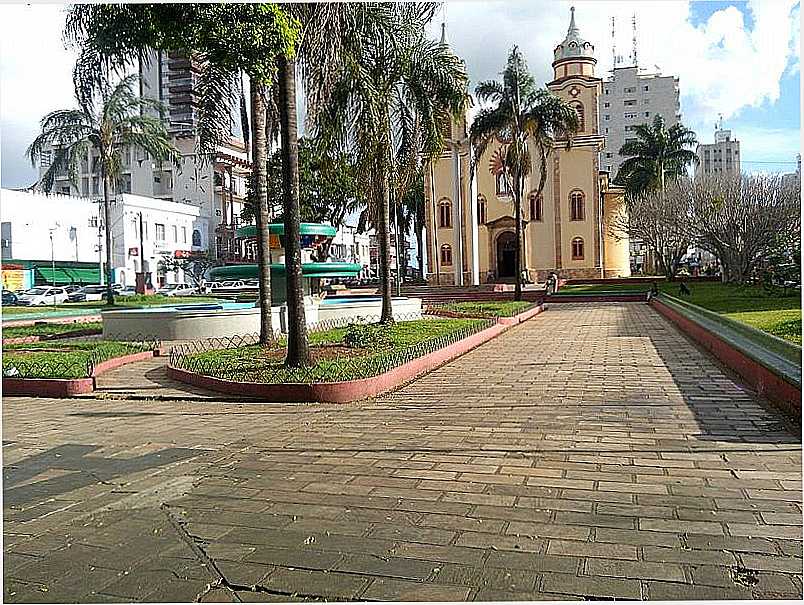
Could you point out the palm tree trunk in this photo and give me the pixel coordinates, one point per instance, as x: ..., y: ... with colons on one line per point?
x: 298, y: 346
x: 518, y: 251
x: 384, y: 240
x: 259, y: 143
x: 108, y: 228
x: 419, y: 238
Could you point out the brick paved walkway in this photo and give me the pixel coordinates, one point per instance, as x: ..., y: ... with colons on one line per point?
x: 590, y: 452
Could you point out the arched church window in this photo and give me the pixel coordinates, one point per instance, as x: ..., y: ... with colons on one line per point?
x: 445, y: 214
x: 577, y: 206
x: 196, y: 237
x: 481, y: 210
x: 502, y: 185
x: 536, y: 207
x: 577, y: 249
x: 578, y: 107
x: 446, y: 254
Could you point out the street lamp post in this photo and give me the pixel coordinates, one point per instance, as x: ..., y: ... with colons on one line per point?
x: 52, y: 264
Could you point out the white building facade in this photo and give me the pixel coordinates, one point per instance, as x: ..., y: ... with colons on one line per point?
x: 720, y: 157
x: 76, y: 225
x: 633, y: 96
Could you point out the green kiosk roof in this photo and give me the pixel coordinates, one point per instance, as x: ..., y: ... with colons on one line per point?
x: 279, y: 229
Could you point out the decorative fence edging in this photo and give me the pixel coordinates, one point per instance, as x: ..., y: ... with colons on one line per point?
x: 352, y: 390
x: 342, y: 391
x: 67, y: 387
x: 778, y: 386
x: 506, y: 321
x: 571, y: 298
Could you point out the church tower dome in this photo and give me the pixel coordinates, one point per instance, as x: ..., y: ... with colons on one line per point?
x: 574, y: 56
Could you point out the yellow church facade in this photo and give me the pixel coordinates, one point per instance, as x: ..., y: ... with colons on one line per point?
x: 470, y: 222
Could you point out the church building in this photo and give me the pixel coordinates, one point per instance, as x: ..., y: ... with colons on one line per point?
x: 470, y: 220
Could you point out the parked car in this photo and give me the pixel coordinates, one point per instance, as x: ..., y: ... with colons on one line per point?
x: 75, y: 293
x: 9, y: 298
x: 91, y: 293
x: 211, y: 287
x: 43, y: 295
x: 127, y: 291
x: 177, y: 290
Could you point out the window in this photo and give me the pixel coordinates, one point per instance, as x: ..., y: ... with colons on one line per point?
x: 628, y: 89
x: 196, y: 237
x: 125, y: 183
x: 577, y: 249
x: 85, y: 185
x: 646, y: 88
x: 445, y: 214
x: 481, y: 210
x: 46, y: 159
x: 95, y: 185
x: 535, y: 207
x: 160, y: 232
x: 446, y: 254
x: 578, y: 107
x: 577, y: 202
x: 647, y: 114
x: 175, y: 230
x: 93, y: 221
x: 608, y: 155
x: 630, y: 102
x: 646, y: 102
x: 65, y: 190
x: 84, y: 163
x: 502, y: 185
x: 126, y: 157
x: 606, y: 104
x: 606, y: 91
x: 629, y: 115
x: 606, y: 117
x: 145, y: 229
x: 184, y: 235
x: 607, y: 131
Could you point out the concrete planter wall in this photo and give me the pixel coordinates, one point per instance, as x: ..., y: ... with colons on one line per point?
x: 768, y: 364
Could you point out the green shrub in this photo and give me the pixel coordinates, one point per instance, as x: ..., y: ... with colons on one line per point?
x: 368, y: 336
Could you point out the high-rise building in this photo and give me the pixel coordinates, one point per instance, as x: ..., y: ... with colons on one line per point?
x: 633, y: 96
x: 217, y: 185
x: 720, y: 157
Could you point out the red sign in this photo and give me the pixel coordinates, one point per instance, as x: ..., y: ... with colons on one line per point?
x: 182, y: 254
x: 133, y: 251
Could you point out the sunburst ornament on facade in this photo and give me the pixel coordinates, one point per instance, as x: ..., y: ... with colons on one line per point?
x: 497, y: 161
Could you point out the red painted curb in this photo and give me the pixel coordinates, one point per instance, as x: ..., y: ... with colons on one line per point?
x: 26, y: 339
x: 347, y: 390
x: 61, y: 387
x: 518, y: 319
x: 765, y: 382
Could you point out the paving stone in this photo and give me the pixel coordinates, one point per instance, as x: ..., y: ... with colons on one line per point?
x: 676, y: 591
x: 755, y: 530
x: 687, y: 556
x: 391, y: 567
x: 387, y: 589
x: 591, y: 549
x: 316, y: 583
x: 487, y: 577
x: 593, y: 587
x: 635, y: 569
x: 491, y: 594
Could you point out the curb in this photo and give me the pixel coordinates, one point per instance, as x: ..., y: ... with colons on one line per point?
x: 583, y: 298
x: 767, y: 382
x: 67, y: 387
x: 20, y: 340
x: 347, y: 391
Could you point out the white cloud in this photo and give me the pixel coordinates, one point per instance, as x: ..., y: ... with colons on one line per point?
x: 35, y: 78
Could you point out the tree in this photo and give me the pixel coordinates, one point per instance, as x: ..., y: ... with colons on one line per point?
x: 194, y: 266
x: 227, y: 39
x: 389, y: 109
x: 525, y: 120
x: 662, y: 220
x: 656, y: 155
x: 110, y: 118
x: 744, y: 220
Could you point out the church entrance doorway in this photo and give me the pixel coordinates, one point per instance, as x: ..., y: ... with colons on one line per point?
x: 506, y: 255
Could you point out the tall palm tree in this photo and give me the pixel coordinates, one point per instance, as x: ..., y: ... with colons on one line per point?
x: 389, y: 107
x: 656, y: 154
x: 526, y: 120
x: 109, y: 121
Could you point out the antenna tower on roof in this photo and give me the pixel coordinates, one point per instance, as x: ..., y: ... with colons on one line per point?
x: 634, y: 39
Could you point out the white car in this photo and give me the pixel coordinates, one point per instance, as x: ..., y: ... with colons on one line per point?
x: 219, y: 286
x: 43, y: 295
x: 94, y: 293
x: 177, y: 290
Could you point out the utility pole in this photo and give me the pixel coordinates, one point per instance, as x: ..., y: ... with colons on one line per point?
x: 398, y: 257
x: 52, y: 265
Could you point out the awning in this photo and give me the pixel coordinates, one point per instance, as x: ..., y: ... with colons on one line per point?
x: 67, y: 275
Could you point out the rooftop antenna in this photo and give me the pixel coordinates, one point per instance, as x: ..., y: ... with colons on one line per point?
x: 634, y: 39
x: 613, y: 46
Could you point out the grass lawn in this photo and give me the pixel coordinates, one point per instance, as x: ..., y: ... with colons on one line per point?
x: 346, y: 353
x: 777, y: 315
x: 604, y: 288
x: 68, y: 359
x: 49, y: 329
x: 499, y: 308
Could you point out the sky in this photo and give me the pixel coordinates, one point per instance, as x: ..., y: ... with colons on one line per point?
x: 735, y: 59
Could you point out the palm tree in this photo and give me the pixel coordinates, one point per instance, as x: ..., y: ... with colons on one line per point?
x: 656, y: 154
x: 389, y: 108
x: 109, y: 121
x: 525, y: 119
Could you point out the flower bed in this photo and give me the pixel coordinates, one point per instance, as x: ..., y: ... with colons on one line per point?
x: 49, y: 331
x: 490, y: 309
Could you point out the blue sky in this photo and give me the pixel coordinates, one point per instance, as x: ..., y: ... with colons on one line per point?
x: 735, y: 58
